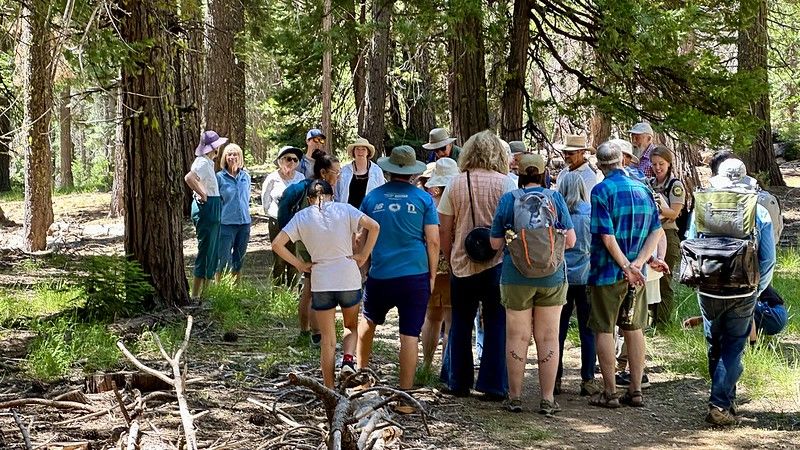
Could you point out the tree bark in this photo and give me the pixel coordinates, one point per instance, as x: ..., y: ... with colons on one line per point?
x: 65, y: 123
x: 600, y: 127
x: 421, y: 115
x: 469, y: 110
x: 189, y: 89
x: 5, y: 150
x: 375, y: 115
x: 38, y: 101
x: 224, y: 102
x: 154, y: 174
x: 327, y: 76
x: 753, y: 51
x: 513, y: 103
x: 358, y: 59
x: 118, y: 186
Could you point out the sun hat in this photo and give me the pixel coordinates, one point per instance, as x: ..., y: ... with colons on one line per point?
x: 402, y: 161
x: 445, y: 169
x: 609, y: 154
x: 361, y: 142
x: 288, y: 149
x: 506, y: 147
x: 517, y: 147
x: 534, y: 160
x: 429, y: 168
x: 573, y: 142
x: 209, y: 141
x: 732, y: 172
x: 313, y: 133
x: 438, y: 138
x: 626, y: 148
x: 642, y: 128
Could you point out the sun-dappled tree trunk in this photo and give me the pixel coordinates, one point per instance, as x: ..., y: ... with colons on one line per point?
x: 513, y: 103
x: 375, y: 115
x: 65, y: 123
x: 38, y: 101
x: 599, y: 127
x: 189, y: 90
x: 419, y: 104
x: 224, y: 100
x: 753, y: 51
x: 118, y: 186
x: 5, y: 150
x: 154, y: 174
x: 469, y: 110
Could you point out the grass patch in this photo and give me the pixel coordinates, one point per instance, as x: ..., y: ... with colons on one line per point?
x: 426, y: 376
x: 17, y: 307
x: 237, y: 307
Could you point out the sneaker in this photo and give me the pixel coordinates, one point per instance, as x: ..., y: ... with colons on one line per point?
x: 645, y: 381
x: 557, y: 388
x: 719, y: 417
x: 591, y: 387
x: 513, y: 405
x: 347, y: 368
x: 623, y: 380
x: 548, y: 408
x: 316, y: 339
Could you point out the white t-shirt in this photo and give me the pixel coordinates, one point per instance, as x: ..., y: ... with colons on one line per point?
x: 327, y: 233
x: 272, y: 191
x: 204, y: 169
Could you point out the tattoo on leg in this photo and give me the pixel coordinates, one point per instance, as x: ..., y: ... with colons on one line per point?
x: 547, y: 358
x: 516, y: 356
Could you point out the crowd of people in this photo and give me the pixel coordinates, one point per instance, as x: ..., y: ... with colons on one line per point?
x: 480, y: 249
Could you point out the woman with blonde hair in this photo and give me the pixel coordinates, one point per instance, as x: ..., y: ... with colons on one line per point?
x: 468, y: 203
x: 206, y: 208
x: 360, y: 176
x: 234, y: 230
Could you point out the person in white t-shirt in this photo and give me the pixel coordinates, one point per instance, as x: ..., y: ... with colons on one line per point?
x: 327, y: 228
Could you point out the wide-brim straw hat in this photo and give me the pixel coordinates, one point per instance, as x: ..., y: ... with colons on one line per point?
x: 573, y: 142
x: 438, y: 138
x: 402, y: 161
x: 444, y: 171
x: 361, y: 142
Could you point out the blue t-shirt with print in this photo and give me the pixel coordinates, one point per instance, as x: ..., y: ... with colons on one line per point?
x: 504, y: 220
x: 402, y: 210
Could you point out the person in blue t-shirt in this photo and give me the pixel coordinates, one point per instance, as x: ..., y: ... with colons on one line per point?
x: 540, y: 297
x: 404, y: 261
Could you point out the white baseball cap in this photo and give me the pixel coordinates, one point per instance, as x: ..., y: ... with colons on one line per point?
x: 642, y: 128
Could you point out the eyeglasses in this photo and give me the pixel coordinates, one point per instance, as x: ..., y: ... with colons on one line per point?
x: 290, y: 159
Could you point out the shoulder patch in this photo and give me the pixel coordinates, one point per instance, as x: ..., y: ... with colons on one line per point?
x: 677, y: 190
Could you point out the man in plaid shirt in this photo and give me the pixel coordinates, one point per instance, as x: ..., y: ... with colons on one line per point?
x: 625, y: 232
x: 642, y: 139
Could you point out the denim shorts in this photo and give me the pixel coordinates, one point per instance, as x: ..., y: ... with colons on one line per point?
x: 323, y: 301
x: 408, y: 294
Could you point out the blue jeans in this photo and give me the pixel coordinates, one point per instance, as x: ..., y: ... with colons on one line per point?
x: 457, y: 368
x: 770, y: 320
x: 232, y: 245
x: 578, y: 298
x: 726, y: 323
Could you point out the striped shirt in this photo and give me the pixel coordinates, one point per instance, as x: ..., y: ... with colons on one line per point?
x: 625, y: 209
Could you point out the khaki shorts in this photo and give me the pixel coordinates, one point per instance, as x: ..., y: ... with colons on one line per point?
x: 606, y: 305
x: 517, y: 297
x: 440, y: 297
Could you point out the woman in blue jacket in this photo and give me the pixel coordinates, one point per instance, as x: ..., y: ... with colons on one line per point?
x: 234, y: 231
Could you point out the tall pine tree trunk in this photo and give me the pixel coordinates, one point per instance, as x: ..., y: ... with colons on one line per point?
x: 469, y: 110
x: 513, y: 101
x: 224, y: 102
x: 38, y: 102
x: 600, y: 128
x: 5, y: 151
x: 154, y: 173
x: 753, y: 50
x: 375, y: 115
x: 65, y: 123
x: 189, y: 90
x: 118, y: 186
x: 419, y: 104
x: 358, y: 60
x: 327, y: 75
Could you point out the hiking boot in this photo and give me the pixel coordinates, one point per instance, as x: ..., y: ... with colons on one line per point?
x: 548, y: 408
x: 513, y: 405
x: 623, y: 380
x: 719, y: 417
x: 316, y: 339
x: 557, y: 388
x: 591, y: 387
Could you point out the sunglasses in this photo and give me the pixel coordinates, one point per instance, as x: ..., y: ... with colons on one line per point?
x: 441, y: 150
x: 319, y: 140
x: 291, y: 159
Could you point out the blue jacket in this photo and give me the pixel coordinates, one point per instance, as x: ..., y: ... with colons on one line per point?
x: 235, y: 193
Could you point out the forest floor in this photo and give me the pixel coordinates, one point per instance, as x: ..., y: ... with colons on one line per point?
x: 256, y: 364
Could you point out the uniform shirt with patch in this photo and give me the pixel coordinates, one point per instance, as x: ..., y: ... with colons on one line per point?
x: 402, y: 210
x: 676, y: 194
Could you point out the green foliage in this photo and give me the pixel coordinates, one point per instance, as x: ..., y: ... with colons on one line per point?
x: 170, y: 335
x: 112, y: 286
x: 237, y: 307
x: 46, y: 299
x: 65, y: 342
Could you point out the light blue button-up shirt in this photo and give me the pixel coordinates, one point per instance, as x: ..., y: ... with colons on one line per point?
x: 235, y: 193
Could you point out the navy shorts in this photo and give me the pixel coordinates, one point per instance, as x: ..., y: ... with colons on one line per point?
x: 408, y: 294
x: 323, y: 301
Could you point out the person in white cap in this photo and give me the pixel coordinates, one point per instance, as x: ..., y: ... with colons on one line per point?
x: 441, y: 145
x: 574, y: 150
x: 642, y: 139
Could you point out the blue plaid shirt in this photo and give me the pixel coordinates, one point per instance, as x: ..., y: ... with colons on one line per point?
x: 624, y: 208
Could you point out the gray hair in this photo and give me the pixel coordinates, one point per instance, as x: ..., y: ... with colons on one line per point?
x: 573, y: 189
x: 483, y: 150
x: 609, y: 157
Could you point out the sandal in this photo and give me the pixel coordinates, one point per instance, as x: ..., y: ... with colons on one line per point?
x: 634, y: 399
x: 605, y: 400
